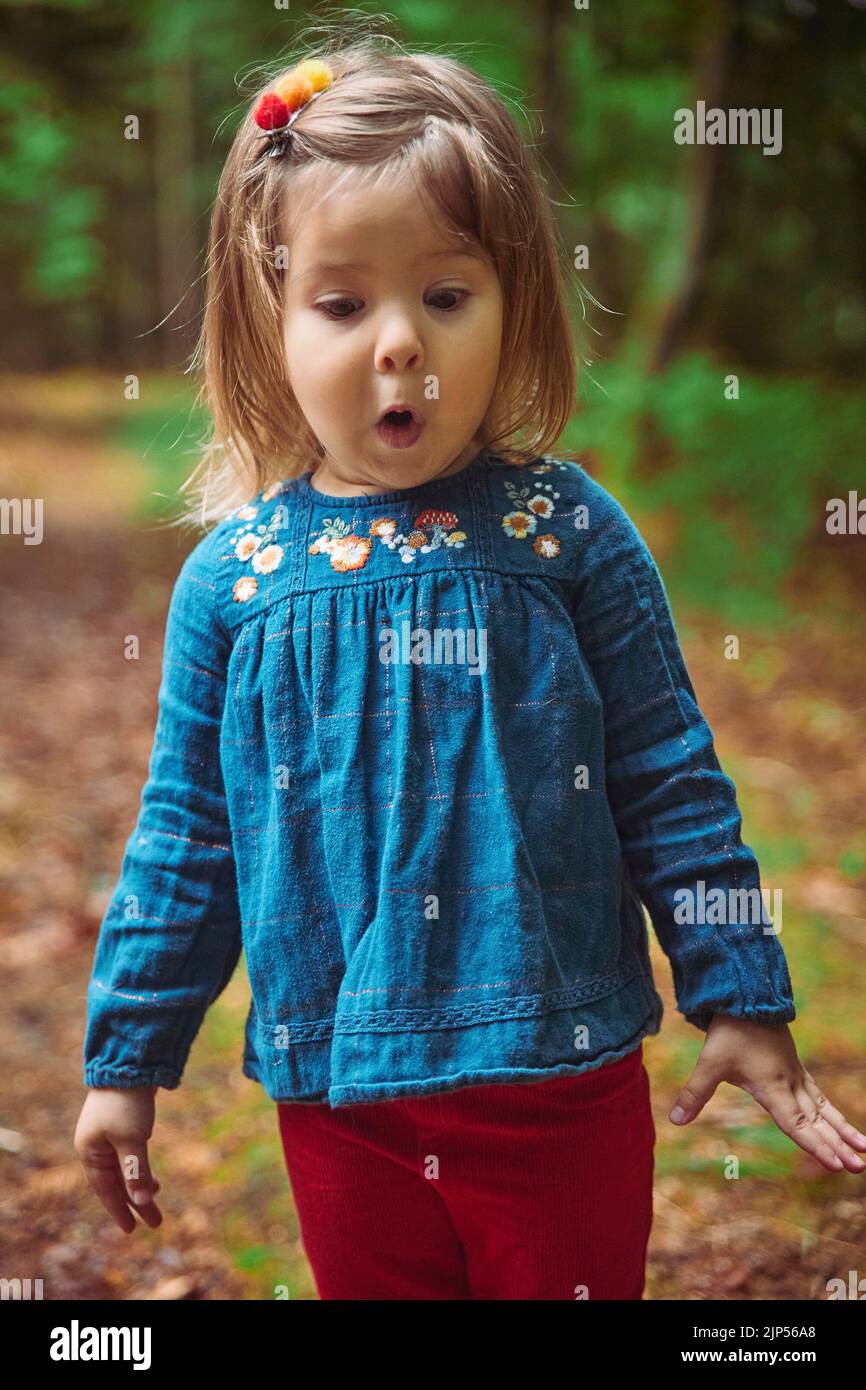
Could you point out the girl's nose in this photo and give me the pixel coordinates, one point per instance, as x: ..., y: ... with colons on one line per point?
x: 399, y: 346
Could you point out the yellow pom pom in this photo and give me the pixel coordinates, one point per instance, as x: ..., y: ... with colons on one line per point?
x: 317, y: 72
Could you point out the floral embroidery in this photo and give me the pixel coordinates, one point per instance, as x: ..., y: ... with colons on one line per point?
x: 256, y: 545
x: 266, y: 560
x: 548, y: 466
x: 529, y: 503
x: 347, y: 551
x: 244, y: 588
x: 431, y: 529
x: 245, y: 547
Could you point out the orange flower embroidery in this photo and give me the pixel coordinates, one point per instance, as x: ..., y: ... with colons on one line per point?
x: 432, y: 529
x: 351, y: 553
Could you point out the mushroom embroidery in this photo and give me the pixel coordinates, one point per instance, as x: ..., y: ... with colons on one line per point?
x: 349, y: 551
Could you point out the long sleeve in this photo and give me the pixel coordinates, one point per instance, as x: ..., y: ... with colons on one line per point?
x: 675, y: 811
x: 170, y: 939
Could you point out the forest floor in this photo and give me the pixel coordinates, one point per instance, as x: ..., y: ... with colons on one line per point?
x: 788, y: 724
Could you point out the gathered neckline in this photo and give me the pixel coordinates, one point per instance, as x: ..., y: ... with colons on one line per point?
x: 405, y: 494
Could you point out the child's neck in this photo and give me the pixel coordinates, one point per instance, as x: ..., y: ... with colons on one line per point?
x: 326, y: 480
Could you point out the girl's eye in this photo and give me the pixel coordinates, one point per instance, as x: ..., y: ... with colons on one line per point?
x: 331, y: 307
x: 330, y: 304
x: 449, y: 308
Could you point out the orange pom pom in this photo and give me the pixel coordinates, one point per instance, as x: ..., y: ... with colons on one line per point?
x: 293, y: 90
x: 309, y: 77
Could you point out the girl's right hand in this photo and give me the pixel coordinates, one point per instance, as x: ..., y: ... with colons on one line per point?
x: 111, y: 1141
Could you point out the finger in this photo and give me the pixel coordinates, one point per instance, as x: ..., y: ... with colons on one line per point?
x: 833, y: 1116
x: 782, y: 1104
x: 141, y: 1185
x: 150, y: 1214
x: 824, y: 1127
x: 134, y: 1165
x: 104, y: 1177
x: 694, y: 1095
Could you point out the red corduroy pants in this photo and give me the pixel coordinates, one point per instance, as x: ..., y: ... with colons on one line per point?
x: 528, y: 1190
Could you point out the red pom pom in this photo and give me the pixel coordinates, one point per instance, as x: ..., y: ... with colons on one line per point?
x: 271, y: 113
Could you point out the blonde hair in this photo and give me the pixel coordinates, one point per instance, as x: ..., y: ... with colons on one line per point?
x: 387, y: 110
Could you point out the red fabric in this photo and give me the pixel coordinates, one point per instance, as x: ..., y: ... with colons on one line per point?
x: 544, y: 1190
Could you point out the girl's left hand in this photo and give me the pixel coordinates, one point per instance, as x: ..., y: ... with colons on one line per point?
x: 761, y: 1058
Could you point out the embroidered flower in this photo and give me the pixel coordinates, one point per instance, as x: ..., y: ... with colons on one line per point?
x: 541, y: 506
x: 265, y: 561
x: 351, y: 553
x: 432, y: 528
x: 530, y: 504
x: 519, y: 524
x: 256, y: 543
x: 246, y: 546
x: 347, y: 551
x: 244, y: 588
x: 549, y: 464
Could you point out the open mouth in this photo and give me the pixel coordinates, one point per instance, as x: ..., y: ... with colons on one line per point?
x: 400, y: 428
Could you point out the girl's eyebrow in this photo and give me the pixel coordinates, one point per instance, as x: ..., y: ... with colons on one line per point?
x: 323, y: 267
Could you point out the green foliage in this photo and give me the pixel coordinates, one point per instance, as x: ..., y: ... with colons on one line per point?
x: 852, y: 863
x: 749, y: 478
x: 164, y: 430
x: 253, y: 1257
x: 48, y: 220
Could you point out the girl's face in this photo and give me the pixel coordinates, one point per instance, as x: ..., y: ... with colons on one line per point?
x: 381, y: 307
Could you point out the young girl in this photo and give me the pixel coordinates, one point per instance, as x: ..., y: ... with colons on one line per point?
x: 426, y: 741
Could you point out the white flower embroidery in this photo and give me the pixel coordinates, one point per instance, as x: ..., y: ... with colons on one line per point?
x: 244, y: 588
x: 246, y: 546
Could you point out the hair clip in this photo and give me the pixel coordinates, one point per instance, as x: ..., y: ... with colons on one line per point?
x: 277, y: 109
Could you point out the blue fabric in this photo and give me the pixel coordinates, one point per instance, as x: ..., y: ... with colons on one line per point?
x: 429, y: 891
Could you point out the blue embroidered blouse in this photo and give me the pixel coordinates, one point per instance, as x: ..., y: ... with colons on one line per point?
x: 425, y: 756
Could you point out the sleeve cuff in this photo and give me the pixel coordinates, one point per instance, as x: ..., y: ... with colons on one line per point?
x: 756, y: 1013
x: 125, y: 1078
